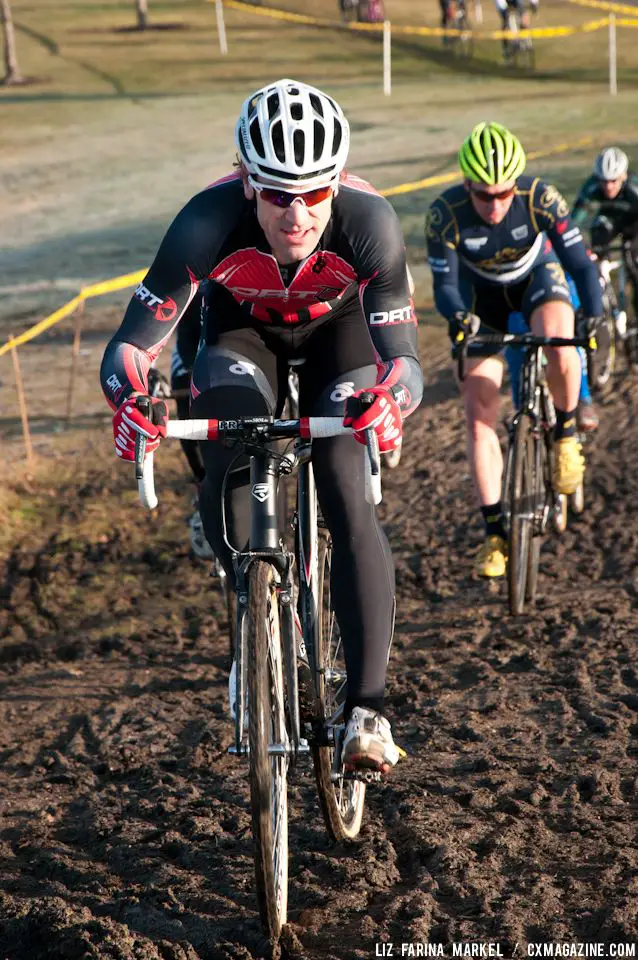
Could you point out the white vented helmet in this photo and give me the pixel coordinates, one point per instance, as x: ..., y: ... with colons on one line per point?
x: 293, y: 133
x: 611, y: 164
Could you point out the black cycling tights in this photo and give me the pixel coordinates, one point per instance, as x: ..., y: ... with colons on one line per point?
x: 362, y: 567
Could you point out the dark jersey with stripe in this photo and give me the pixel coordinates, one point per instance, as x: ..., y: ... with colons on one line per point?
x: 622, y: 211
x: 461, y: 243
x: 216, y: 237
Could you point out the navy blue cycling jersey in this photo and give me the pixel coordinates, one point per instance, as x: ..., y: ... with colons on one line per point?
x: 622, y: 211
x: 461, y: 245
x: 216, y: 237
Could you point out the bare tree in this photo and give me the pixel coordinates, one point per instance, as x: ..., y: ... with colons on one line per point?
x: 12, y: 74
x: 142, y: 13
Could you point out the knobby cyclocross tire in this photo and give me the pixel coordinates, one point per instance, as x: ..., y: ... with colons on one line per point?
x: 601, y: 363
x: 630, y: 343
x: 525, y: 56
x: 230, y: 603
x: 267, y: 726
x: 539, y: 489
x: 392, y: 459
x: 521, y: 504
x: 342, y: 801
x: 465, y: 46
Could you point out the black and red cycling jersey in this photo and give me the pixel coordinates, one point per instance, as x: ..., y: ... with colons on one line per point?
x: 216, y: 237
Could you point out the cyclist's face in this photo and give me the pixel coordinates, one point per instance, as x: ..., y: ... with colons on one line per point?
x: 611, y: 188
x: 293, y: 232
x: 491, y: 202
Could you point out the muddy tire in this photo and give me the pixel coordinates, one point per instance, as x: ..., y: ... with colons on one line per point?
x: 521, y: 497
x: 342, y: 801
x: 268, y: 772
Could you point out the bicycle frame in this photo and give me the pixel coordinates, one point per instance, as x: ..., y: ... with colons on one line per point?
x: 269, y: 736
x: 535, y: 398
x: 536, y: 403
x: 266, y: 468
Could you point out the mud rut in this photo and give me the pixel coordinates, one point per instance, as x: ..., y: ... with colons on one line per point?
x: 125, y: 831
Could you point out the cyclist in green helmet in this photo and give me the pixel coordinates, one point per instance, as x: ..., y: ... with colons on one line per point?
x: 490, y: 253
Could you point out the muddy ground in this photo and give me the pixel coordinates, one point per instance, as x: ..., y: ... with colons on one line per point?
x: 125, y: 829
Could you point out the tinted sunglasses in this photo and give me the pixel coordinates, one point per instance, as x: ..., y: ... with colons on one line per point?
x: 282, y: 198
x: 491, y: 197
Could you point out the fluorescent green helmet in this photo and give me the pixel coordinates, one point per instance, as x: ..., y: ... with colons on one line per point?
x: 492, y: 155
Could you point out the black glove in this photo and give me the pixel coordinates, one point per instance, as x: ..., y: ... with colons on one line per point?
x: 463, y: 324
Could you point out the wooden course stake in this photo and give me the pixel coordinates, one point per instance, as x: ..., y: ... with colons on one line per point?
x: 22, y: 401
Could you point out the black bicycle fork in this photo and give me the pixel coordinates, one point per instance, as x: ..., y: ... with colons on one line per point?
x: 266, y: 468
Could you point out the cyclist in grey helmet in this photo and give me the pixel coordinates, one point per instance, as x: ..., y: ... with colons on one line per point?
x: 608, y: 199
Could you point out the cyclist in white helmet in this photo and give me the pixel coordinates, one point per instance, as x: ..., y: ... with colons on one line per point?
x: 502, y: 7
x: 304, y: 263
x: 608, y: 199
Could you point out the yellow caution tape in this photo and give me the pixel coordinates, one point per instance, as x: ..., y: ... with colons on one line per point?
x: 94, y: 290
x: 275, y: 14
x: 452, y: 177
x: 604, y: 5
x: 132, y: 279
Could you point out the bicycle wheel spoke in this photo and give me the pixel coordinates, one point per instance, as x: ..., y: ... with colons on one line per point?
x: 521, y: 495
x: 342, y: 801
x: 268, y: 770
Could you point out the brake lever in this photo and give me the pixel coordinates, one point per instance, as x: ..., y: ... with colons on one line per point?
x: 460, y: 349
x: 143, y: 404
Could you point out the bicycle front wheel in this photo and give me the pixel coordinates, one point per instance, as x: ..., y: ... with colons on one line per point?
x: 269, y: 742
x: 342, y: 800
x: 521, y: 497
x: 601, y: 364
x: 465, y: 46
x: 539, y: 487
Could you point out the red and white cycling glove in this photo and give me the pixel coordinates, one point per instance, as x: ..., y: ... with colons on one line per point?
x: 128, y: 422
x: 383, y: 415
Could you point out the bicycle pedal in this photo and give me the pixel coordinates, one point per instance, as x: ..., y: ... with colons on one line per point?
x: 362, y: 776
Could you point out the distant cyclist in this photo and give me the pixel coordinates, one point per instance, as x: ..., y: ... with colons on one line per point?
x: 609, y: 199
x: 304, y: 262
x: 521, y: 8
x: 489, y: 250
x: 449, y: 8
x: 518, y: 5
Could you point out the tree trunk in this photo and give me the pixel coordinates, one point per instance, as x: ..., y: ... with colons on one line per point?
x: 12, y: 70
x: 142, y: 14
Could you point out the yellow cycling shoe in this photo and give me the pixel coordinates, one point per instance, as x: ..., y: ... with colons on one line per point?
x: 491, y: 560
x: 569, y: 466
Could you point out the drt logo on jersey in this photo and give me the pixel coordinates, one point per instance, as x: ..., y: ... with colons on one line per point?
x: 162, y: 310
